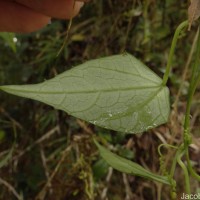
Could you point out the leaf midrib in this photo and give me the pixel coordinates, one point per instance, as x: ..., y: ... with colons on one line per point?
x: 8, y: 88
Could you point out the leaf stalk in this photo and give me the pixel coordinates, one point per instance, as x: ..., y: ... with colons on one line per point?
x: 172, y: 50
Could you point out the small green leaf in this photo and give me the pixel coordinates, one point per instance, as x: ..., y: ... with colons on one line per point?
x: 126, y: 153
x: 127, y: 166
x: 117, y: 92
x: 9, y: 39
x: 100, y: 169
x: 105, y: 135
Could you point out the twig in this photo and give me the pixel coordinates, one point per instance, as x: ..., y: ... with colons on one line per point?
x: 44, y: 162
x: 11, y: 188
x: 84, y: 126
x: 160, y: 136
x: 42, y: 193
x: 129, y: 194
x: 108, y: 178
x: 44, y: 137
x: 10, y: 118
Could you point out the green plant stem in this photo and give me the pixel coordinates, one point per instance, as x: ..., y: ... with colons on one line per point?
x: 171, y: 174
x: 173, y: 167
x: 195, y: 79
x: 191, y: 170
x: 185, y: 171
x: 192, y: 89
x: 172, y: 49
x: 167, y: 146
x: 187, y: 133
x: 193, y: 84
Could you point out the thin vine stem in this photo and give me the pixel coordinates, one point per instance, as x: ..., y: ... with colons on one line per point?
x: 173, y: 167
x: 186, y: 174
x: 161, y: 156
x: 193, y: 84
x: 165, y: 145
x: 191, y: 170
x: 66, y: 37
x: 172, y: 49
x: 195, y: 79
x: 192, y: 89
x: 67, y: 33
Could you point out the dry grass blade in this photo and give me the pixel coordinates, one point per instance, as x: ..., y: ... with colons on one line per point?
x: 44, y: 137
x: 10, y: 188
x: 42, y: 193
x: 193, y: 12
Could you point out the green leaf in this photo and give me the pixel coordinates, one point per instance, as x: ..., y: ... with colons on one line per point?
x: 116, y: 92
x: 100, y: 169
x: 9, y: 39
x: 127, y: 166
x: 126, y: 153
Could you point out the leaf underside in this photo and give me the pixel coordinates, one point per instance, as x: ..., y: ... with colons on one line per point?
x: 123, y: 165
x: 117, y: 92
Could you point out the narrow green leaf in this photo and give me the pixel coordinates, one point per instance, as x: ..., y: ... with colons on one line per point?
x: 7, y: 157
x: 2, y: 135
x: 129, y: 167
x: 116, y: 92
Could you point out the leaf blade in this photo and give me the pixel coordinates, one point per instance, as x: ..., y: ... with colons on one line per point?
x: 116, y: 92
x: 124, y: 165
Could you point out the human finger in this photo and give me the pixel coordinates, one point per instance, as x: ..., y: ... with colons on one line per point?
x: 15, y: 17
x: 63, y: 9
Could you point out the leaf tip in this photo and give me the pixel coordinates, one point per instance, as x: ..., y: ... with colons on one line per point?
x: 2, y: 87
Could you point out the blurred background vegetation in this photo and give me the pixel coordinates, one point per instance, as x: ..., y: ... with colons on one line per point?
x: 45, y: 153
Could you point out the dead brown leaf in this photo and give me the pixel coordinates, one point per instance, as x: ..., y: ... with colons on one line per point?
x: 193, y: 12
